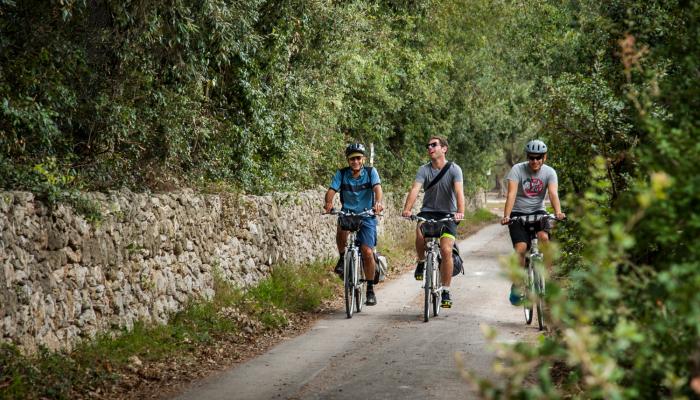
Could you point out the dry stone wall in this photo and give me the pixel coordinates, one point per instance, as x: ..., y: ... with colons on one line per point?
x: 64, y: 279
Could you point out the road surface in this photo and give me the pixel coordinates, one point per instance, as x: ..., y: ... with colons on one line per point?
x: 387, y: 351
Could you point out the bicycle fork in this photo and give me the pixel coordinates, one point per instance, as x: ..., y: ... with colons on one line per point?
x: 434, y: 271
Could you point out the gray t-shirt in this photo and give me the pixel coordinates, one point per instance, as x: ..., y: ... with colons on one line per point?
x: 441, y: 197
x: 532, y: 187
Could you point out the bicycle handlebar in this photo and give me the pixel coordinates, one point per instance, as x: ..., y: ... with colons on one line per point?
x: 531, y: 218
x: 341, y: 213
x: 421, y: 219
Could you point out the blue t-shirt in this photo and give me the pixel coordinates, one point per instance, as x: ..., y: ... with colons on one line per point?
x: 356, y: 195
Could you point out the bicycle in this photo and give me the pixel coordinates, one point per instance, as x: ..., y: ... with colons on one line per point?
x: 354, y: 273
x: 534, y: 263
x: 432, y: 230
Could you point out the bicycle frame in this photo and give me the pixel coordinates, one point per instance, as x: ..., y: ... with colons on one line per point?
x: 432, y: 286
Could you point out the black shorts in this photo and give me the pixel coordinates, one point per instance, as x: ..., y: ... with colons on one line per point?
x: 518, y: 232
x: 450, y: 227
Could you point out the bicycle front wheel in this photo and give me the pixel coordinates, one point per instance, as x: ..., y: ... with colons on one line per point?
x: 529, y: 291
x: 428, y: 274
x: 539, y: 287
x: 435, y: 293
x: 349, y: 287
x: 359, y: 285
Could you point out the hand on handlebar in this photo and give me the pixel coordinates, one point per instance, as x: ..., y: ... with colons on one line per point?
x: 378, y: 208
x: 561, y: 216
x: 327, y: 208
x: 505, y: 220
x: 459, y: 216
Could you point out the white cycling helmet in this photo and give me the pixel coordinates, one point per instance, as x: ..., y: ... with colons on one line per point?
x: 536, y: 147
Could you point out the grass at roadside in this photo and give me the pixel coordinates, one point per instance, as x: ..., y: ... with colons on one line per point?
x: 92, y: 368
x: 475, y: 220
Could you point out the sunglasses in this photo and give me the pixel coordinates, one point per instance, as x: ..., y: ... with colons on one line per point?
x: 357, y: 158
x: 433, y: 144
x: 533, y: 158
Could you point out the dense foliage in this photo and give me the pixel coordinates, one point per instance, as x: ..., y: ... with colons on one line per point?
x: 615, y: 93
x: 253, y: 94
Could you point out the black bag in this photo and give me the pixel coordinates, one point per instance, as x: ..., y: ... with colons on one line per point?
x: 432, y: 229
x: 457, y: 263
x: 350, y: 222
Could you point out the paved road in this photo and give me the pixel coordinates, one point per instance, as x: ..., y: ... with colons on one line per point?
x: 387, y: 351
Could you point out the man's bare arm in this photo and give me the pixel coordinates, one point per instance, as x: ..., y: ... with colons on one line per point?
x: 459, y: 192
x: 378, y: 197
x: 411, y: 198
x: 553, y: 190
x: 328, y: 200
x: 510, y: 201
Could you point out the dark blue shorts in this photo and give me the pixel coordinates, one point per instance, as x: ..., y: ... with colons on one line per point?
x: 367, y: 234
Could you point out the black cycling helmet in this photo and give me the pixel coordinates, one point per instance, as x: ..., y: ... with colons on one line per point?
x: 355, y: 148
x: 536, y: 147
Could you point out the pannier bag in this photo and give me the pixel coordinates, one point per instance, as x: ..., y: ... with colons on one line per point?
x: 457, y: 263
x: 382, y: 267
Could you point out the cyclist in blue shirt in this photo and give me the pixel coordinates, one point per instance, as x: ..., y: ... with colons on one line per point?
x: 360, y: 189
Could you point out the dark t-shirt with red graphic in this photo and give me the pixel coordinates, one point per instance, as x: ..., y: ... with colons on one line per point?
x: 532, y: 187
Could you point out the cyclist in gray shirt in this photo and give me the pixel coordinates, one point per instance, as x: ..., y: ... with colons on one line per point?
x: 445, y: 197
x: 528, y: 183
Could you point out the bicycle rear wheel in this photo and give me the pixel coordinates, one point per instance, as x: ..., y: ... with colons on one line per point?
x: 428, y: 274
x: 349, y: 288
x: 529, y: 291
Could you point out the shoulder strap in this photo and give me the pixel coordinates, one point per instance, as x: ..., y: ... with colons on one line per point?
x: 368, y: 170
x: 439, y: 176
x: 343, y: 174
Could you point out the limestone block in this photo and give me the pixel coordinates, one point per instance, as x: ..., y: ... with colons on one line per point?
x: 50, y: 340
x: 50, y: 306
x: 17, y: 214
x: 118, y: 303
x: 75, y: 300
x: 88, y: 317
x: 9, y: 271
x: 41, y: 239
x: 72, y: 256
x: 23, y: 291
x: 8, y: 328
x: 6, y: 200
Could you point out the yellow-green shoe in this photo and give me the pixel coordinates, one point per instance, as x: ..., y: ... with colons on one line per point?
x: 420, y: 268
x: 446, y: 301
